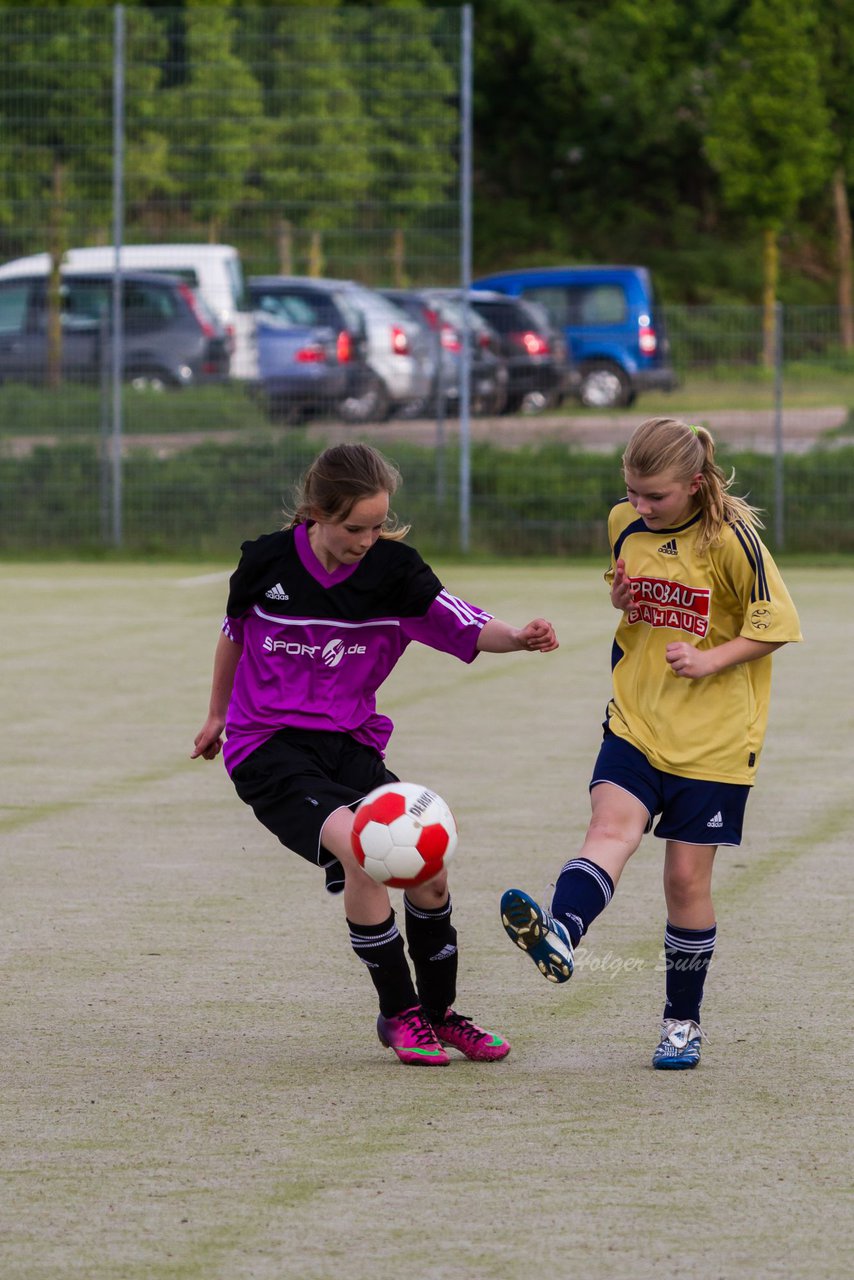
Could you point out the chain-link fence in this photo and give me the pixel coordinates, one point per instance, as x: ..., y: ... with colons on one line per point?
x: 290, y: 191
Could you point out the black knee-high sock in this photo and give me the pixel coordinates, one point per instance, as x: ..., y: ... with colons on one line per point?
x: 688, y: 954
x: 582, y: 892
x: 432, y: 941
x: 380, y: 948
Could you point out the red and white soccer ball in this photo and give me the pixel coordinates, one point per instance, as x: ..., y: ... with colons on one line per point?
x: 403, y: 834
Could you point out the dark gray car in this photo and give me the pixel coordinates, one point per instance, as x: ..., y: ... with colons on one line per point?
x: 171, y: 339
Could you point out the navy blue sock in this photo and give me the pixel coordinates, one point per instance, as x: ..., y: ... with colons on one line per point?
x: 380, y: 948
x: 582, y: 892
x: 688, y: 954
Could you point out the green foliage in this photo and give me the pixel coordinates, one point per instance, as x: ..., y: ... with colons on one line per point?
x: 83, y: 410
x: 325, y: 138
x: 214, y: 113
x: 769, y: 132
x: 546, y: 500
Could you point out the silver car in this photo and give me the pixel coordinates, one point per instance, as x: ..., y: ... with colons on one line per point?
x: 400, y: 361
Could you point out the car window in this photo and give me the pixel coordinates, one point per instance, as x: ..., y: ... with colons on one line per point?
x: 377, y: 305
x: 554, y: 298
x: 287, y: 309
x: 452, y: 310
x: 596, y: 304
x: 506, y: 317
x: 300, y: 306
x: 84, y: 302
x: 353, y: 317
x: 13, y: 306
x: 236, y: 283
x: 145, y: 306
x: 540, y: 317
x: 576, y: 305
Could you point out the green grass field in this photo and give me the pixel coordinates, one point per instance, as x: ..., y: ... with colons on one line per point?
x: 192, y: 1088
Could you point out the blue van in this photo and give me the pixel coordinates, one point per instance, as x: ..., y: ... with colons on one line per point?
x: 609, y: 316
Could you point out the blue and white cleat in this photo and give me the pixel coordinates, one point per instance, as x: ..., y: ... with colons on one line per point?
x: 545, y: 939
x: 679, y: 1047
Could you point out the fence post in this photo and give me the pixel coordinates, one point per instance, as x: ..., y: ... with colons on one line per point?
x: 779, y: 495
x: 465, y: 275
x: 118, y: 235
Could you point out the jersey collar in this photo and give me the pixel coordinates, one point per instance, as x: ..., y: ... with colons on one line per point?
x: 312, y: 565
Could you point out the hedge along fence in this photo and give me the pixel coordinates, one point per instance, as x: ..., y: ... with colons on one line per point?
x: 537, y: 500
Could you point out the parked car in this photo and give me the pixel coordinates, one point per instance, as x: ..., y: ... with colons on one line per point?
x: 612, y: 323
x: 390, y: 360
x: 442, y: 317
x: 303, y: 359
x: 213, y: 270
x: 539, y: 367
x: 170, y: 338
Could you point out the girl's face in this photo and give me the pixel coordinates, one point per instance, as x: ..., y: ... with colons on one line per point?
x: 662, y: 501
x: 337, y: 542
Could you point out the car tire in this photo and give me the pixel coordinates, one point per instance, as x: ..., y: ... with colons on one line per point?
x: 150, y: 380
x: 513, y: 403
x: 412, y: 409
x: 489, y: 404
x: 286, y: 413
x: 368, y: 402
x: 604, y: 386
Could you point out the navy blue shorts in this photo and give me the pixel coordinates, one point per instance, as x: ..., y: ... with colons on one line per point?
x: 693, y: 811
x: 298, y: 777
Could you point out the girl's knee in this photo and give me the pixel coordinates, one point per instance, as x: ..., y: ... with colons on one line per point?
x: 431, y: 894
x: 684, y: 886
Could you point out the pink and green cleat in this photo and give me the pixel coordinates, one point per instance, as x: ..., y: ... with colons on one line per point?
x: 412, y: 1037
x: 472, y: 1041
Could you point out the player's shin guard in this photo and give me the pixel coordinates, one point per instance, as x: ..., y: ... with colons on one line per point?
x: 380, y: 948
x: 687, y: 955
x: 582, y: 892
x: 432, y: 941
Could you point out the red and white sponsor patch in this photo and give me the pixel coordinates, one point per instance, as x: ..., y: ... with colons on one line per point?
x: 661, y: 602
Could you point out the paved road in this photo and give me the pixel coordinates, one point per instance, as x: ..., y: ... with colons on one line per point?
x: 753, y: 429
x: 747, y: 429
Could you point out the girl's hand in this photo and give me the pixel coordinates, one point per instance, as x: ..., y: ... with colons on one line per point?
x: 208, y: 741
x: 621, y: 587
x: 689, y: 662
x: 538, y: 637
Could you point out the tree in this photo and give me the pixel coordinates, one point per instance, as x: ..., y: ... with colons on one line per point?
x: 835, y: 46
x: 409, y: 88
x: 56, y: 161
x: 769, y: 135
x: 215, y: 112
x: 312, y: 165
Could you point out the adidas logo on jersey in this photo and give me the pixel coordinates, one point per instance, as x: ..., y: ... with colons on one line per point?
x: 668, y: 548
x: 277, y: 593
x: 716, y: 821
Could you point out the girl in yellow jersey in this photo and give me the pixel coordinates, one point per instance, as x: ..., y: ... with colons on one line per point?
x: 703, y: 607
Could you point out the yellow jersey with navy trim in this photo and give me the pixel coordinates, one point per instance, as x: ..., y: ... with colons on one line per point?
x: 711, y: 728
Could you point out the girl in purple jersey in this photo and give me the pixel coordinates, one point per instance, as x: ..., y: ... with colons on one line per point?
x: 317, y: 616
x: 702, y: 608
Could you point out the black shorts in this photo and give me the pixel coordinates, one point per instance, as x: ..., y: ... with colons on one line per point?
x: 297, y: 778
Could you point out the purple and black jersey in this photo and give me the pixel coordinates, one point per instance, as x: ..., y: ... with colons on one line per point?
x: 318, y: 645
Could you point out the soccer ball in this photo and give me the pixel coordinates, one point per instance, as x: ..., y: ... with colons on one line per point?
x: 403, y: 834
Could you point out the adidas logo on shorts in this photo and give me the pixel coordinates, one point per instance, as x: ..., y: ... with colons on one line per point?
x: 668, y: 548
x: 716, y: 821
x: 277, y: 593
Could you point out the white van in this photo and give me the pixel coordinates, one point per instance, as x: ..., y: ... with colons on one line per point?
x: 214, y: 269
